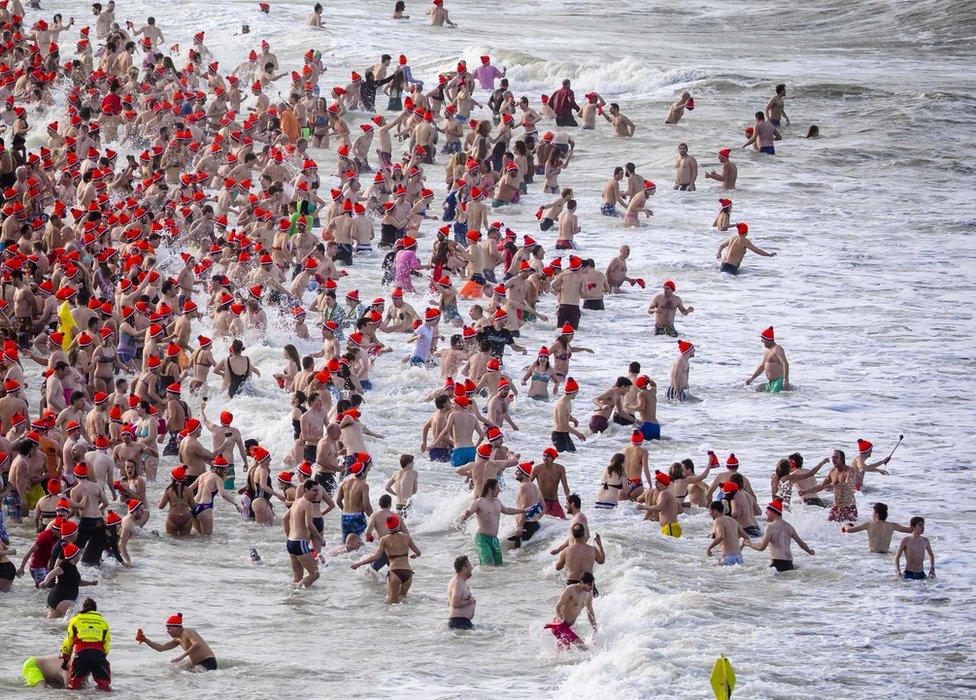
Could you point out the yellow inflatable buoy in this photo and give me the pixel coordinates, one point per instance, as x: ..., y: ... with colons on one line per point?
x: 723, y: 679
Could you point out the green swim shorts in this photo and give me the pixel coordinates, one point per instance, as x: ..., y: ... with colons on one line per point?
x: 489, y: 550
x: 775, y: 386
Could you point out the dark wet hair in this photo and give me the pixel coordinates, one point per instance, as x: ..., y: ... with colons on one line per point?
x: 587, y: 578
x: 578, y: 531
x: 634, y: 367
x: 622, y: 382
x: 385, y: 500
x: 917, y: 520
x: 89, y: 605
x: 489, y: 485
x: 460, y: 563
x: 574, y: 499
x: 717, y: 507
x: 881, y: 510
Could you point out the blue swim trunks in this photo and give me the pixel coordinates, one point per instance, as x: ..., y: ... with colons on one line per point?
x: 650, y: 431
x: 353, y: 522
x: 731, y: 559
x: 462, y: 455
x: 768, y: 150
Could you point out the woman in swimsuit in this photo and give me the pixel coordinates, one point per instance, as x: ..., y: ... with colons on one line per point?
x: 611, y: 482
x: 133, y: 486
x: 179, y: 522
x: 397, y: 546
x: 259, y: 486
x: 202, y: 361
x: 236, y: 369
x: 104, y: 363
x: 147, y: 430
x: 44, y: 511
x: 686, y: 485
x: 561, y: 351
x: 293, y: 365
x: 540, y: 372
x: 66, y: 580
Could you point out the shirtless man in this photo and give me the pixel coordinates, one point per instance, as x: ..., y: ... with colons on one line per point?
x: 879, y: 530
x: 664, y: 306
x: 776, y: 107
x: 225, y: 438
x: 612, y: 196
x: 353, y: 499
x: 677, y: 108
x: 192, y: 453
x: 528, y: 499
x: 765, y: 134
x: 571, y: 602
x: 459, y: 428
x: 483, y: 468
x: 488, y: 509
x: 666, y: 508
x: 549, y: 475
x: 729, y: 172
x: 774, y: 364
x: 89, y: 500
x: 678, y: 388
x: 737, y: 245
x: 403, y: 484
x: 778, y: 536
x: 568, y: 287
x: 579, y: 557
x: 638, y: 205
x: 622, y: 126
x: 195, y: 648
x: 459, y: 597
x: 301, y: 532
x: 644, y: 406
x: 860, y: 463
x: 617, y: 272
x: 436, y: 451
x: 726, y: 532
x: 636, y: 467
x: 915, y: 547
x: 563, y: 422
x: 731, y: 467
x: 398, y: 548
x: 685, y: 170
x: 439, y: 15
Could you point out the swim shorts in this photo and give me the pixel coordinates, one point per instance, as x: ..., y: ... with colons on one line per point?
x: 562, y: 442
x: 489, y: 550
x: 671, y: 530
x: 913, y: 575
x: 555, y: 509
x: 439, y: 454
x: 564, y: 634
x: 650, y: 431
x: 775, y: 386
x: 298, y: 548
x: 462, y: 455
x: 353, y: 522
x: 731, y: 559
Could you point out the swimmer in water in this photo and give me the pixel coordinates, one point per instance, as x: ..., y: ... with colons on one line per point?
x: 195, y: 648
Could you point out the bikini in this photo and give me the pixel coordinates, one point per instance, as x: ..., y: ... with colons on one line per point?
x: 403, y: 574
x: 201, y: 507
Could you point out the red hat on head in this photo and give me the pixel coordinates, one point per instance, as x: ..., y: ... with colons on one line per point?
x: 260, y: 454
x: 648, y: 185
x: 729, y: 487
x: 636, y: 437
x: 575, y: 263
x: 175, y: 620
x: 776, y: 506
x: 493, y: 434
x: 684, y: 346
x: 221, y: 462
x: 356, y: 468
x: 742, y: 227
x: 642, y: 381
x: 864, y: 446
x: 525, y: 468
x: 768, y: 334
x: 493, y: 365
x: 70, y: 550
x: 571, y: 386
x: 286, y: 477
x: 484, y: 450
x: 191, y: 426
x: 567, y: 329
x: 178, y: 473
x: 732, y: 462
x: 725, y: 202
x: 725, y: 152
x: 670, y: 285
x: 305, y: 469
x: 393, y: 522
x: 462, y: 401
x: 550, y: 452
x: 81, y: 470
x: 662, y: 478
x: 112, y: 518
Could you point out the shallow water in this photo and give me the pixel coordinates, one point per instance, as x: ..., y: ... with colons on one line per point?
x: 871, y: 295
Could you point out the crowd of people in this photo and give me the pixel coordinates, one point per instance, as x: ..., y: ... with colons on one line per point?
x: 160, y: 152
